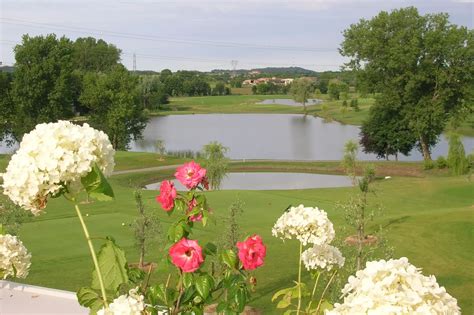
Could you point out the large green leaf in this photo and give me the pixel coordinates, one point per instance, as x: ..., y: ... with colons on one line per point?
x: 187, y: 279
x: 240, y: 298
x: 89, y: 298
x: 113, y: 266
x: 204, y: 285
x: 229, y: 258
x: 97, y: 185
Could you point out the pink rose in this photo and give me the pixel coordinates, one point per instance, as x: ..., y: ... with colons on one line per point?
x: 167, y: 195
x: 191, y: 205
x: 190, y: 174
x: 252, y: 252
x: 186, y: 255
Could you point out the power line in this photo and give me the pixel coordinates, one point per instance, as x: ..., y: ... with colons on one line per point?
x: 145, y: 37
x: 222, y: 62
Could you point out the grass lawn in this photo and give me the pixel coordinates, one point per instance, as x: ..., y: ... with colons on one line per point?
x: 230, y: 104
x: 429, y: 219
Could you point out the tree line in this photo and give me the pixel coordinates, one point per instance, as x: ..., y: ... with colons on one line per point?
x: 57, y: 78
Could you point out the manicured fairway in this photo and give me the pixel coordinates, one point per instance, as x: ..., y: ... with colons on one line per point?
x: 428, y: 219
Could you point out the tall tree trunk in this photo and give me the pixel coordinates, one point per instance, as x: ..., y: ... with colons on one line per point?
x: 425, y: 149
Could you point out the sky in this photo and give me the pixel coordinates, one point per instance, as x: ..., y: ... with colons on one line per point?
x: 209, y: 34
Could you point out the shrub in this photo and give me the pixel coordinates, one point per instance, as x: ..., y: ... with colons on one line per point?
x: 441, y: 162
x: 457, y: 160
x: 428, y: 165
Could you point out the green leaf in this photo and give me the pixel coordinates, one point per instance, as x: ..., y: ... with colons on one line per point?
x: 89, y: 298
x: 325, y: 305
x: 180, y: 205
x: 204, y: 285
x: 229, y: 258
x: 113, y: 266
x: 187, y: 279
x: 282, y: 292
x: 156, y: 294
x: 136, y: 275
x: 97, y: 185
x: 285, y: 301
x: 176, y: 232
x: 221, y: 307
x: 240, y: 298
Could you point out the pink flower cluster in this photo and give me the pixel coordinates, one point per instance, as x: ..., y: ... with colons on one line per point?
x: 186, y: 254
x: 190, y: 175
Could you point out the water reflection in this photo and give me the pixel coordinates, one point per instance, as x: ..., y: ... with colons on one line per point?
x: 263, y: 136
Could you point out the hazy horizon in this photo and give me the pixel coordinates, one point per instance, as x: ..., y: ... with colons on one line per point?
x: 208, y: 34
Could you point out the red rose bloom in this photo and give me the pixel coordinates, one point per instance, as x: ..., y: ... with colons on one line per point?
x: 190, y: 174
x: 186, y: 255
x: 167, y: 195
x: 252, y: 252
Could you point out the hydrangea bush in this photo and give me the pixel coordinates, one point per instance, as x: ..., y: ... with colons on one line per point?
x: 394, y: 287
x: 15, y: 260
x: 54, y: 157
x: 310, y: 226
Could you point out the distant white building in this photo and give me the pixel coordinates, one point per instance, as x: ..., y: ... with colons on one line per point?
x: 273, y: 80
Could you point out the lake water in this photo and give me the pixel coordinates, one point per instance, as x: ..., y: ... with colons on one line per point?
x: 260, y: 136
x: 290, y: 102
x: 273, y: 181
x: 263, y: 136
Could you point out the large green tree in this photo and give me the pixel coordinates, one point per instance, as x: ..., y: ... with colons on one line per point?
x: 336, y: 87
x: 425, y: 60
x: 301, y: 90
x: 91, y: 54
x: 42, y: 87
x: 115, y: 107
x: 386, y: 131
x: 152, y: 92
x: 5, y: 104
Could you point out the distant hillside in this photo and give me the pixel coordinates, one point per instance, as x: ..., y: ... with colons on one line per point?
x: 288, y: 71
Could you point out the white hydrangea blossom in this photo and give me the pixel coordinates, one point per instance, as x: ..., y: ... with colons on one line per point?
x: 322, y: 257
x: 14, y: 258
x: 131, y: 304
x: 308, y: 225
x: 394, y: 287
x: 51, y: 155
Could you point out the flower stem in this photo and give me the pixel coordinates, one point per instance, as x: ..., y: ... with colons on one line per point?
x: 94, y: 257
x: 324, y: 292
x: 299, y: 281
x: 314, y: 291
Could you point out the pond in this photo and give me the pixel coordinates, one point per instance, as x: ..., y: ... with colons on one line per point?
x: 290, y: 102
x: 263, y: 136
x: 272, y: 181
